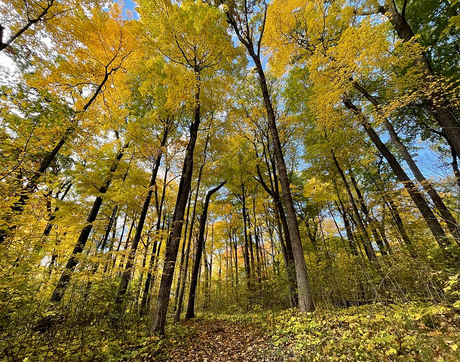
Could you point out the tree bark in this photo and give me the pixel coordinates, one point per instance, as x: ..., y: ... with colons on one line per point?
x: 172, y: 246
x: 156, y: 246
x: 370, y: 253
x: 446, y: 215
x: 126, y: 277
x: 247, y: 265
x: 438, y: 104
x: 199, y: 252
x: 183, y: 271
x: 428, y: 215
x: 369, y: 220
x: 64, y: 280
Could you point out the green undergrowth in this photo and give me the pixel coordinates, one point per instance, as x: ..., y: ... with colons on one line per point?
x: 375, y: 332
x: 405, y: 332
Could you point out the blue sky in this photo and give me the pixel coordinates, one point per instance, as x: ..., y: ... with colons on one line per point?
x: 131, y: 5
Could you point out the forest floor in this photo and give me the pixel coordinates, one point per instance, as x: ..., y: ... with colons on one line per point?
x: 409, y: 332
x: 217, y: 340
x: 375, y: 332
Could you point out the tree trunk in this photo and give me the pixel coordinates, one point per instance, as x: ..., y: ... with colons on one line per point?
x: 369, y: 220
x: 18, y: 207
x: 306, y: 303
x: 305, y: 298
x: 455, y: 166
x: 286, y: 246
x: 438, y: 104
x: 370, y: 253
x: 84, y: 235
x: 127, y: 274
x: 418, y: 199
x: 446, y: 215
x: 172, y: 246
x: 346, y: 223
x: 156, y: 247
x: 182, y: 269
x: 183, y: 272
x: 247, y: 265
x: 52, y: 216
x: 199, y: 252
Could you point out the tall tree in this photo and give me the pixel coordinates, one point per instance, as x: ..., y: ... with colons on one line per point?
x: 247, y: 20
x: 191, y: 36
x: 199, y: 252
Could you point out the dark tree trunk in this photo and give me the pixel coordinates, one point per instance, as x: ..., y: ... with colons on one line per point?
x: 395, y: 215
x: 370, y: 253
x: 52, y: 216
x: 18, y: 207
x: 127, y: 274
x: 199, y: 252
x: 184, y: 271
x: 172, y: 246
x: 125, y: 247
x: 368, y: 219
x: 84, y: 235
x: 438, y: 104
x: 286, y: 245
x: 156, y: 246
x: 306, y: 303
x: 446, y: 215
x: 348, y: 230
x: 455, y: 166
x: 247, y: 264
x: 418, y: 199
x: 113, y: 220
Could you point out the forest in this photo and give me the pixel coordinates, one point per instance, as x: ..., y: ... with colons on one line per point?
x: 229, y: 180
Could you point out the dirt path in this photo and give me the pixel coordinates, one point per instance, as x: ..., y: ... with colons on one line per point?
x: 217, y: 340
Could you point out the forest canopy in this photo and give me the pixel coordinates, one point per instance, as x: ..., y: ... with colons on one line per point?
x: 226, y: 157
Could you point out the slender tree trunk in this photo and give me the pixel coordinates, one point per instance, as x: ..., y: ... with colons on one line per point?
x: 84, y: 235
x: 184, y: 271
x: 446, y: 215
x: 346, y: 223
x: 172, y: 246
x: 368, y: 219
x: 306, y: 303
x: 395, y: 215
x: 455, y: 166
x: 127, y: 274
x: 305, y: 298
x: 125, y: 247
x: 18, y: 207
x: 156, y: 246
x: 247, y: 264
x: 418, y: 199
x: 234, y: 245
x: 286, y: 245
x: 112, y: 221
x: 199, y: 252
x: 256, y: 243
x: 438, y: 104
x: 370, y: 253
x: 52, y: 216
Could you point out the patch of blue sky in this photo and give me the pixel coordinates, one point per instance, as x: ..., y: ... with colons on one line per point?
x: 129, y: 8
